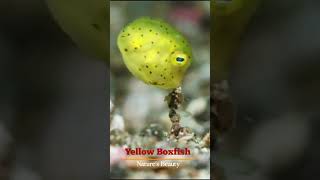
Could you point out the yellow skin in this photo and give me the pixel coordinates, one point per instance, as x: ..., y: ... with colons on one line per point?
x: 230, y: 21
x: 85, y: 22
x: 155, y: 52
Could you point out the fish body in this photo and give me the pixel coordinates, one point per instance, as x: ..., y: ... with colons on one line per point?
x: 155, y: 52
x: 85, y: 22
x: 231, y: 19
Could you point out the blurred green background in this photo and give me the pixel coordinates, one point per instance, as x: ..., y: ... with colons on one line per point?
x: 269, y: 54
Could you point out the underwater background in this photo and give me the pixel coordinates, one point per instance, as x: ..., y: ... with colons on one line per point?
x: 139, y: 114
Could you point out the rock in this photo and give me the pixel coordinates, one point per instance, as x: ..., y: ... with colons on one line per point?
x: 197, y: 106
x: 117, y: 122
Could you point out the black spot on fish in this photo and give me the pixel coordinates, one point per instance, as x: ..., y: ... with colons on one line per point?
x: 155, y: 66
x: 152, y: 42
x: 96, y: 26
x: 135, y: 48
x: 150, y: 72
x: 126, y: 50
x: 147, y: 66
x: 158, y: 52
x: 150, y: 30
x: 139, y: 28
x: 145, y: 57
x: 141, y: 35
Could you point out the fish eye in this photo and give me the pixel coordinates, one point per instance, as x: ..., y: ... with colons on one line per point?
x: 179, y: 59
